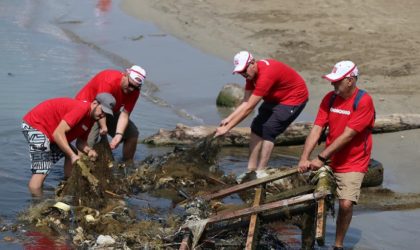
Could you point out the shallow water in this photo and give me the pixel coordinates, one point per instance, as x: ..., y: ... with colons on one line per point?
x: 51, y: 48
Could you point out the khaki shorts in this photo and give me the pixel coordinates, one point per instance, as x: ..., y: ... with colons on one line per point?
x: 111, y: 123
x: 348, y: 185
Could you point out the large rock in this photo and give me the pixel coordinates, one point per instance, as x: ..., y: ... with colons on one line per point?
x: 230, y: 96
x: 295, y: 134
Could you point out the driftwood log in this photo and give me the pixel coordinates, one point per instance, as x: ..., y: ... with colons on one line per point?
x: 295, y: 134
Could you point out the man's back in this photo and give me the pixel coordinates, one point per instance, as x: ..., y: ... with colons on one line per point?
x: 47, y: 115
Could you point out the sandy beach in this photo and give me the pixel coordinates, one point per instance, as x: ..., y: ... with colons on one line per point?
x: 381, y: 37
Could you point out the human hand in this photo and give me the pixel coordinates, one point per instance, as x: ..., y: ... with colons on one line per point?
x: 224, y: 122
x: 220, y: 131
x: 74, y: 158
x: 316, y: 164
x: 92, y: 155
x: 115, y: 141
x: 304, y: 166
x: 103, y: 131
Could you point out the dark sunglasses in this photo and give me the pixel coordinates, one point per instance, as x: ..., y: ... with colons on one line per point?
x: 244, y: 72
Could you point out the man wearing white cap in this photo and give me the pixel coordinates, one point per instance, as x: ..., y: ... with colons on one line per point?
x: 125, y: 88
x: 350, y: 115
x: 52, y: 125
x: 285, y: 95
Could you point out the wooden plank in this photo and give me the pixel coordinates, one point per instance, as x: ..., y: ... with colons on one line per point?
x: 321, y: 219
x: 291, y: 193
x: 251, y: 241
x: 265, y: 207
x: 250, y: 184
x: 186, y: 241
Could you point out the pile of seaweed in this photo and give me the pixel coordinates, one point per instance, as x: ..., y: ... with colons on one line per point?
x: 92, y: 207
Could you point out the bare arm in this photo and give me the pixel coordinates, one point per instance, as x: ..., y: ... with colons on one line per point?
x: 121, y: 126
x: 60, y: 139
x: 238, y: 109
x: 309, y: 146
x: 247, y: 108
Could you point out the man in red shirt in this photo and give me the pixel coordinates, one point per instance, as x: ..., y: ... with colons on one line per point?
x: 52, y: 125
x: 349, y: 141
x: 285, y: 95
x: 125, y: 88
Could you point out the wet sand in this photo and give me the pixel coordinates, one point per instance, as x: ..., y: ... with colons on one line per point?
x: 382, y: 37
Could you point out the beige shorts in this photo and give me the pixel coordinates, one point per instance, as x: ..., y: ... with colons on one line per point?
x: 111, y: 122
x: 348, y: 185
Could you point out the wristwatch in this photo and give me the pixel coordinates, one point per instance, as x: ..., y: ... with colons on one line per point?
x: 324, y: 160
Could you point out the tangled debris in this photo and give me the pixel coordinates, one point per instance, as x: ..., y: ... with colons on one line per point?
x: 105, y: 204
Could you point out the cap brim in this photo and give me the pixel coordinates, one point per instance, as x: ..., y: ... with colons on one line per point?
x: 238, y: 69
x: 107, y: 110
x: 333, y: 77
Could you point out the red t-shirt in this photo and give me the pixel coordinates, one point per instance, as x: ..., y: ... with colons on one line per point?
x: 355, y: 156
x: 46, y: 116
x: 109, y: 81
x: 277, y: 82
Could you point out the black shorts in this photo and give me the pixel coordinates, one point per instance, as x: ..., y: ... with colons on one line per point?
x: 273, y: 119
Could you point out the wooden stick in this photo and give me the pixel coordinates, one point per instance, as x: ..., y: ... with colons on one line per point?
x: 251, y: 241
x: 265, y: 207
x: 249, y: 184
x: 321, y: 218
x: 113, y: 194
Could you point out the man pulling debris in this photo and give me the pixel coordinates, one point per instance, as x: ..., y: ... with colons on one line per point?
x: 52, y: 125
x: 285, y: 95
x: 350, y: 115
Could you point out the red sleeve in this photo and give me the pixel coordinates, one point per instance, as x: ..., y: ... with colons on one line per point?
x: 363, y: 116
x: 323, y: 112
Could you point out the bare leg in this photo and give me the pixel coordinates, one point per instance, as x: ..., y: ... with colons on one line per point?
x: 35, y: 184
x: 267, y: 148
x: 254, y: 151
x: 129, y: 148
x: 67, y: 167
x: 344, y: 217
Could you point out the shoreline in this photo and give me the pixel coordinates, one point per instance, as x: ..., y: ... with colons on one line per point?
x: 379, y: 37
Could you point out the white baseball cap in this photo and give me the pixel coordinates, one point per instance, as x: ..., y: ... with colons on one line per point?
x: 137, y: 74
x: 342, y: 70
x: 241, y: 60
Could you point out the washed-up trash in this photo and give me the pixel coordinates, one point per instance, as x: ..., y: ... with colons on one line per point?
x: 62, y: 206
x: 105, y: 240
